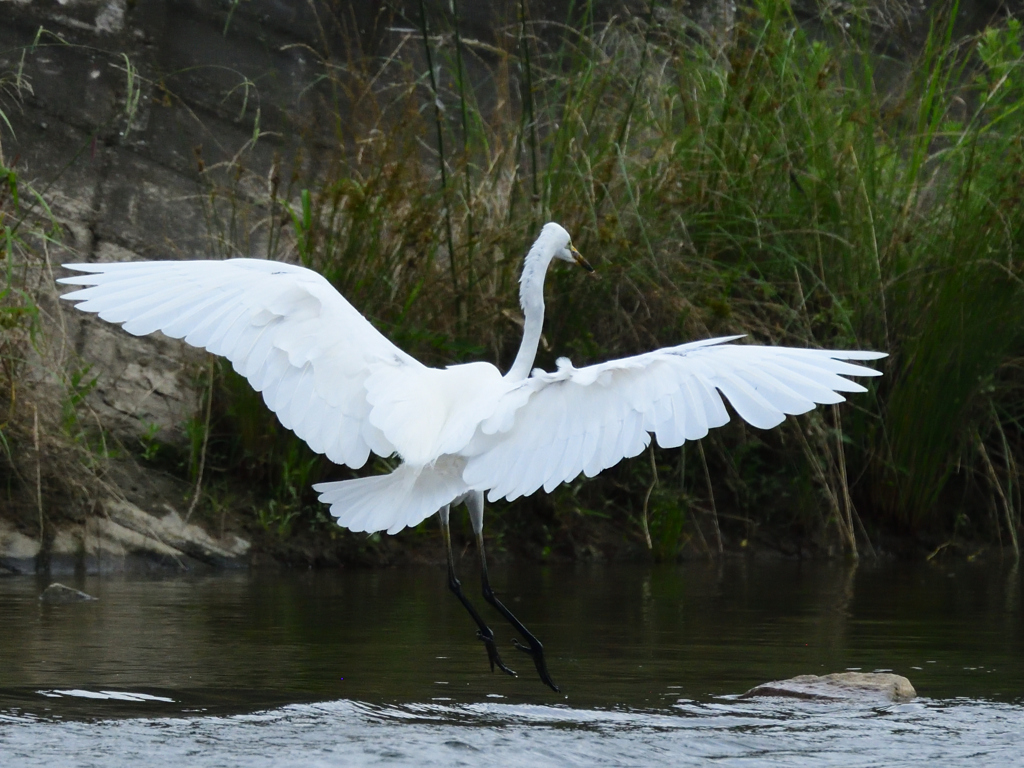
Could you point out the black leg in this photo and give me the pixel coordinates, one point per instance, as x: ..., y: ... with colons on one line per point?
x: 483, y: 632
x: 534, y: 647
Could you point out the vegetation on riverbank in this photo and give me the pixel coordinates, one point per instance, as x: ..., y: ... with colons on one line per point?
x: 770, y: 181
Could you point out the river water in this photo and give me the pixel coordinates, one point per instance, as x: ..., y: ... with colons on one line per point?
x: 356, y: 668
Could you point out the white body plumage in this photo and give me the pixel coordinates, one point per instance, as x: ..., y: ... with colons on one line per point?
x: 346, y: 390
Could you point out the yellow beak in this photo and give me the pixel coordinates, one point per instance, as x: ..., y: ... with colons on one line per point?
x: 579, y: 258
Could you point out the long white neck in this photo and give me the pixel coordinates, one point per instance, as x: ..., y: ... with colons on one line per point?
x: 531, y: 299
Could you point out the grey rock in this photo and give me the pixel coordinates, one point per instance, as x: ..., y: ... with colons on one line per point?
x: 18, y: 551
x: 58, y: 594
x: 839, y: 687
x: 172, y: 532
x: 127, y: 538
x: 42, y: 156
x: 89, y: 17
x: 124, y: 538
x: 154, y: 211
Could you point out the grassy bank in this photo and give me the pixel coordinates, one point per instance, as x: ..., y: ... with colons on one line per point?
x: 797, y: 188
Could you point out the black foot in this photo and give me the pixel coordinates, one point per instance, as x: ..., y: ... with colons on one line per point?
x: 492, y: 652
x: 483, y: 632
x: 536, y: 650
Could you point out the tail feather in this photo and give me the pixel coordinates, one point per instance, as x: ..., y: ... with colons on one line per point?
x: 391, y: 502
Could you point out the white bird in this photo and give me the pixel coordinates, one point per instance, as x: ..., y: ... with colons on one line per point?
x: 464, y: 430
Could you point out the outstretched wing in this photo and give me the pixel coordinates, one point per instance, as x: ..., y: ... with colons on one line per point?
x: 283, y: 327
x: 556, y: 425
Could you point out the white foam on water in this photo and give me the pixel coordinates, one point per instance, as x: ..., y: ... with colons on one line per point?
x: 109, y: 695
x: 956, y: 733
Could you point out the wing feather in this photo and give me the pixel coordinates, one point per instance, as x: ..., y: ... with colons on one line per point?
x: 780, y: 394
x: 668, y: 431
x: 138, y: 311
x: 312, y: 425
x: 593, y: 465
x: 223, y: 340
x: 283, y: 327
x: 570, y: 466
x: 557, y: 425
x: 551, y: 458
x: 161, y: 311
x: 711, y: 405
x: 608, y: 448
x: 802, y: 385
x: 694, y: 414
x: 587, y: 450
x: 749, y: 404
x: 202, y: 318
x: 302, y: 402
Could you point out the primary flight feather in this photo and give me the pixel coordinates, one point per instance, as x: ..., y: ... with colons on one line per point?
x: 346, y: 390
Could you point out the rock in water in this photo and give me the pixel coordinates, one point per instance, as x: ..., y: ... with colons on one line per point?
x: 58, y: 594
x: 839, y: 687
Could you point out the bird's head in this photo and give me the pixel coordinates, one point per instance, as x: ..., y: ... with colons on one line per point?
x: 562, y: 245
x: 569, y: 253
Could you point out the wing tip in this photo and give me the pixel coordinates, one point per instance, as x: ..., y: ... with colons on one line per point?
x: 856, y: 354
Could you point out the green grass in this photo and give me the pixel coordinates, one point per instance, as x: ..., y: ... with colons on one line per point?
x: 772, y: 186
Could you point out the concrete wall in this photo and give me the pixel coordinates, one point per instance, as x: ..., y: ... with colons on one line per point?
x: 131, y: 187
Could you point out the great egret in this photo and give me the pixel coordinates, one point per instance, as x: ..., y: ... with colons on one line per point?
x: 346, y: 390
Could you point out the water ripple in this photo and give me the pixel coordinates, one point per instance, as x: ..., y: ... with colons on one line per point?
x: 342, y: 733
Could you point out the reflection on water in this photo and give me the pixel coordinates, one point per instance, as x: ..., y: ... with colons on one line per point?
x: 649, y: 659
